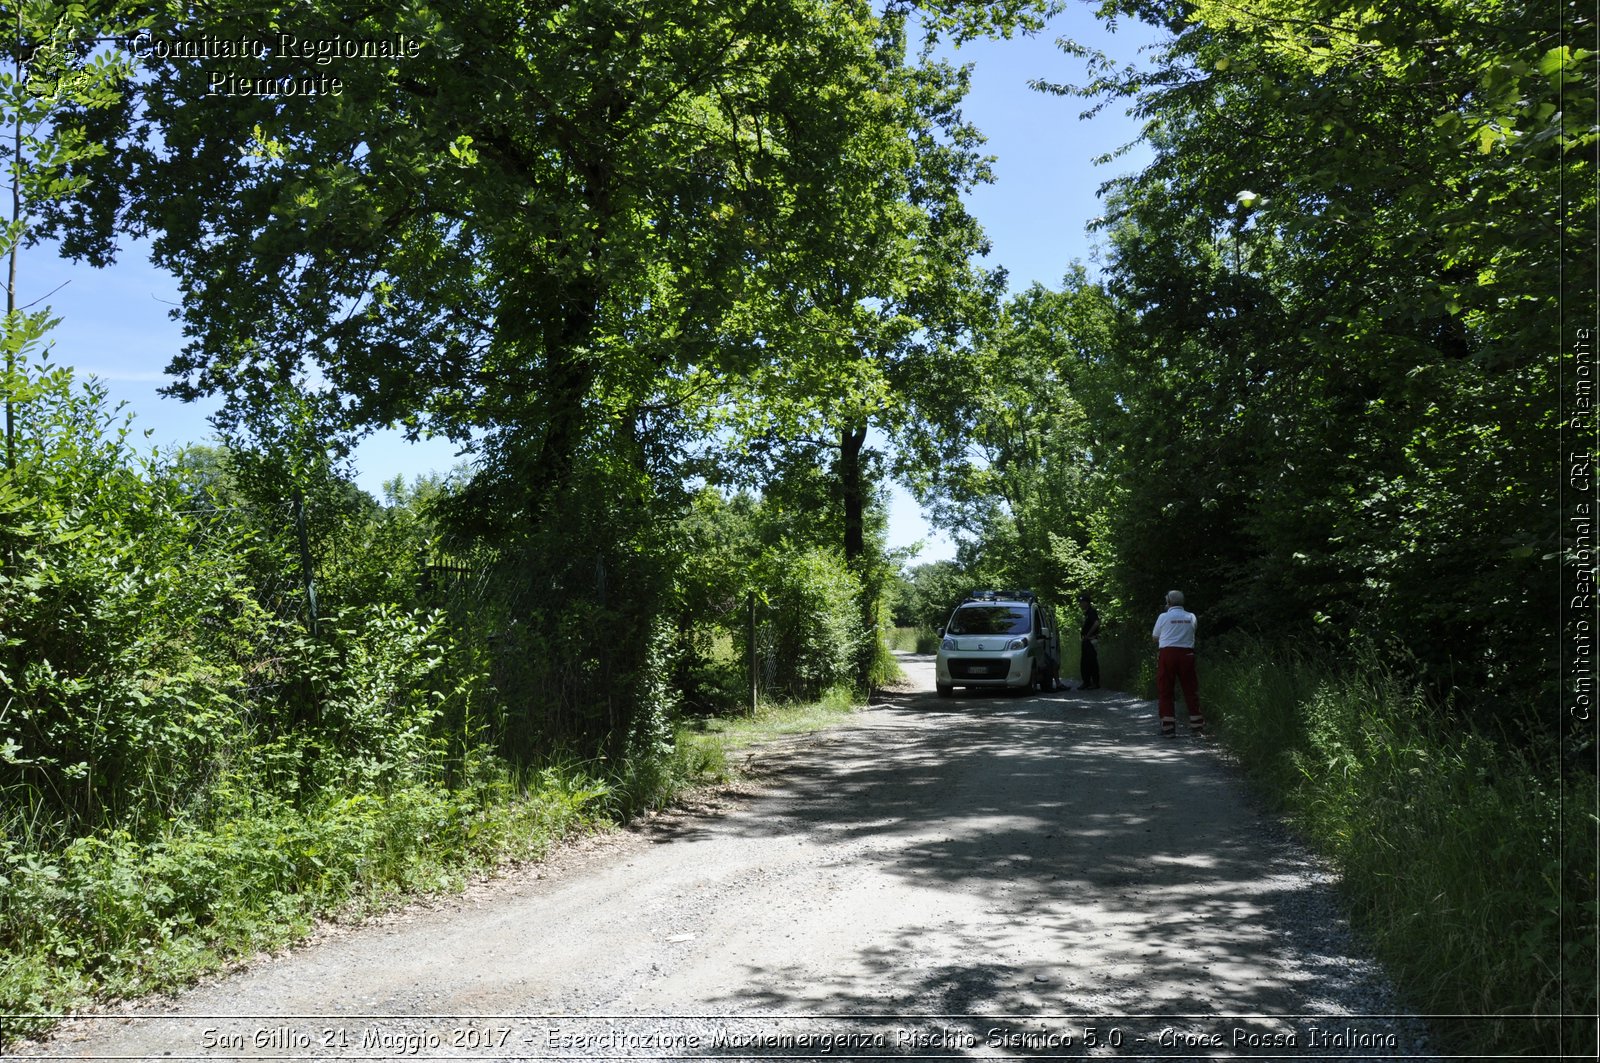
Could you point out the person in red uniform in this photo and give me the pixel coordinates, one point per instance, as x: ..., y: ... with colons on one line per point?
x: 1174, y: 636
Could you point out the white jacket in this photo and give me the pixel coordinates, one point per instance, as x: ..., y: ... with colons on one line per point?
x: 1175, y: 627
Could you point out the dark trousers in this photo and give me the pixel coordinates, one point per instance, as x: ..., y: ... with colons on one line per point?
x: 1175, y: 665
x: 1090, y: 664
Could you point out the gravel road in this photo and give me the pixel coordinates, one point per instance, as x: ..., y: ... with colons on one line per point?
x: 985, y: 877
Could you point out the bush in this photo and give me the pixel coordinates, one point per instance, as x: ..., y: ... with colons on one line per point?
x: 1126, y: 663
x: 1448, y: 841
x: 883, y: 668
x: 112, y: 915
x: 814, y: 630
x: 1450, y: 845
x: 120, y: 665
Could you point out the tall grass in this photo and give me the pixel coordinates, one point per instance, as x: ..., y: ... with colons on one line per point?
x: 708, y: 742
x: 111, y: 915
x: 913, y: 639
x: 1459, y: 859
x: 884, y: 667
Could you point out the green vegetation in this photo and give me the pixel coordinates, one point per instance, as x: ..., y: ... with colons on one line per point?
x: 1460, y: 860
x: 657, y: 288
x: 198, y: 766
x: 1313, y: 386
x: 193, y: 775
x: 669, y: 273
x: 710, y: 742
x: 914, y: 640
x: 112, y: 915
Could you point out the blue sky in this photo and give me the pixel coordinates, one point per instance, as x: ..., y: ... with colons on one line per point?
x: 114, y: 322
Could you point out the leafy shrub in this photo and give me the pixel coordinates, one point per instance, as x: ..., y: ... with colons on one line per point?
x: 116, y: 664
x: 113, y: 914
x: 1126, y: 663
x: 913, y: 640
x: 1450, y: 845
x: 815, y: 630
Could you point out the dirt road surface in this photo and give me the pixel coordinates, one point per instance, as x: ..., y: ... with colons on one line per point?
x: 983, y: 877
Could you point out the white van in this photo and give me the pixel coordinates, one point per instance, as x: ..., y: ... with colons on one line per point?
x: 1001, y: 640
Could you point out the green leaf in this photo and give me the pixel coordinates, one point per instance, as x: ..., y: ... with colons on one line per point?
x: 1555, y: 60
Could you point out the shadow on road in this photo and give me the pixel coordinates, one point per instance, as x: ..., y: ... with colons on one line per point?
x: 1121, y: 874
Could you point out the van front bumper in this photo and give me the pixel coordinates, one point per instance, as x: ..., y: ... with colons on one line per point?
x: 971, y: 669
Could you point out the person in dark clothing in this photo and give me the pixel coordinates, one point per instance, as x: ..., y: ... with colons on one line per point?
x: 1090, y: 634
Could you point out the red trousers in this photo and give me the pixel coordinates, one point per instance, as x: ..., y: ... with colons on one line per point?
x: 1174, y: 664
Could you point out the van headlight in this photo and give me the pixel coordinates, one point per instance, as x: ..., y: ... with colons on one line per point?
x: 948, y: 644
x: 1018, y: 644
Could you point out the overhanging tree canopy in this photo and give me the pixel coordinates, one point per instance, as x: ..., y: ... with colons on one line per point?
x: 1339, y: 280
x: 532, y: 220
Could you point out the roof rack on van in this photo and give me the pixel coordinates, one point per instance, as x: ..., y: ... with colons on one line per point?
x: 998, y: 595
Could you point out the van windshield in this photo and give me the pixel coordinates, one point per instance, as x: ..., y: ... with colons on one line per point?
x: 990, y: 620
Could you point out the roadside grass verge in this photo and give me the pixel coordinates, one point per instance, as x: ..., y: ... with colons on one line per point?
x: 111, y: 917
x: 1459, y: 859
x: 711, y: 740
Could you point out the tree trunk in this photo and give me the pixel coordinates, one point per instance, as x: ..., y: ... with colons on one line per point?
x: 851, y: 440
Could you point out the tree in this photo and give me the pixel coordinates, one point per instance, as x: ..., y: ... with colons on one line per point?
x: 1006, y: 453
x: 588, y: 241
x: 552, y: 234
x: 57, y: 70
x: 929, y: 592
x: 1338, y: 272
x: 907, y: 301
